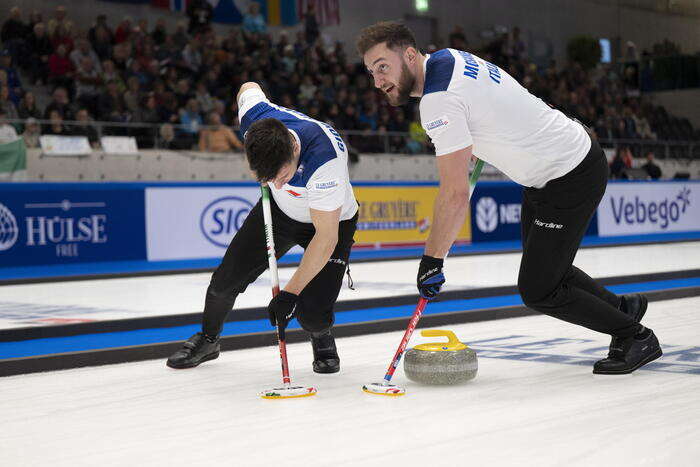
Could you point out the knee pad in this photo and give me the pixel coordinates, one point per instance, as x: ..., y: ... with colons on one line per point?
x: 314, y: 321
x: 541, y: 297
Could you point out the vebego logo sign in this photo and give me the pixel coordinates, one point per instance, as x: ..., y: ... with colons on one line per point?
x: 222, y: 218
x: 195, y: 222
x: 634, y: 208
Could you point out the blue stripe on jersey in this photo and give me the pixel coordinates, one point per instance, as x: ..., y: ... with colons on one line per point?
x: 316, y: 146
x: 438, y: 71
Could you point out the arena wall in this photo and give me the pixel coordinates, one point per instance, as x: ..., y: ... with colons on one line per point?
x: 157, y: 165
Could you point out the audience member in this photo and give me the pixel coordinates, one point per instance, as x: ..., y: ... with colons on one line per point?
x: 84, y: 127
x: 8, y: 133
x: 652, y: 168
x: 169, y: 141
x: 84, y: 50
x: 253, y: 21
x: 39, y: 49
x: 621, y: 161
x: 61, y: 69
x: 87, y: 84
x: 311, y: 27
x: 13, y: 81
x: 111, y: 106
x: 31, y: 134
x: 13, y: 28
x: 200, y: 13
x: 190, y: 121
x: 28, y: 108
x: 56, y: 126
x: 218, y: 138
x: 60, y: 103
x: 7, y: 104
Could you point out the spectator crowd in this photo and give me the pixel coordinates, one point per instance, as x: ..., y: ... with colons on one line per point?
x: 183, y: 82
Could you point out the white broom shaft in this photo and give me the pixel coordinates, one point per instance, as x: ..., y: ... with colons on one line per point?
x: 271, y: 256
x: 272, y: 262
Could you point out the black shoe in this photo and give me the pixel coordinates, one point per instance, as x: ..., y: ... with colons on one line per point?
x: 326, y: 358
x: 633, y: 305
x: 197, y: 349
x: 629, y: 354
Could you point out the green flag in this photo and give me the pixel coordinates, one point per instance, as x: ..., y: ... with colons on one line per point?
x: 13, y: 161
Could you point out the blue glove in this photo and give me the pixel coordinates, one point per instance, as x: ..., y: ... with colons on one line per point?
x: 430, y: 277
x: 281, y: 308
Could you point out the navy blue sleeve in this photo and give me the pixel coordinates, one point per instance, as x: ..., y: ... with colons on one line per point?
x: 257, y: 112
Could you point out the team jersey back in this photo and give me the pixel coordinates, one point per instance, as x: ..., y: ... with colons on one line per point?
x: 469, y: 101
x: 322, y: 180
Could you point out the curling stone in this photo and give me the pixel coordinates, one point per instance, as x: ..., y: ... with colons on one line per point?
x: 448, y: 362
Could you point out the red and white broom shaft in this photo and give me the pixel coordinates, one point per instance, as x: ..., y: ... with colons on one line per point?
x: 476, y: 172
x: 272, y: 263
x: 406, y: 337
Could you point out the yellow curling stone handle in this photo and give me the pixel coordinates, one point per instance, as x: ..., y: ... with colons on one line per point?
x: 452, y: 343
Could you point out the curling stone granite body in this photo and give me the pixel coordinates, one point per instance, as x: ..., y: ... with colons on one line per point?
x: 441, y: 362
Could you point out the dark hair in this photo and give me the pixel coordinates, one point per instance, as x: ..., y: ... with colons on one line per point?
x: 395, y: 34
x: 268, y: 146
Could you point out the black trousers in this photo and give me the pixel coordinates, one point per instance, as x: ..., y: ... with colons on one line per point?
x: 554, y: 220
x: 246, y: 259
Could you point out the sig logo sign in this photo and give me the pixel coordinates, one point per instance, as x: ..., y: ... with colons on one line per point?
x: 489, y: 214
x: 9, y: 231
x: 222, y: 218
x: 631, y: 208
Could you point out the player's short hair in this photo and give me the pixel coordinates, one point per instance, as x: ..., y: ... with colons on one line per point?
x: 394, y: 33
x: 268, y: 146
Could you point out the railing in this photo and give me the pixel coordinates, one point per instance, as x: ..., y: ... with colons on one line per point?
x: 153, y: 136
x: 661, y: 149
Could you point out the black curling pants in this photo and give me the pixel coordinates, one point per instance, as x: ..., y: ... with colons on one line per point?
x: 554, y: 220
x: 246, y: 259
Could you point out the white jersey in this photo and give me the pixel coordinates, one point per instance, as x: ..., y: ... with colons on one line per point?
x: 322, y: 180
x: 469, y: 101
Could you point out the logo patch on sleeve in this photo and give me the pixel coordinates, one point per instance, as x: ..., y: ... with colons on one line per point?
x: 437, y: 126
x: 326, y: 185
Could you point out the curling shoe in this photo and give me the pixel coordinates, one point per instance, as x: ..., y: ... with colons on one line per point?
x: 326, y: 358
x: 634, y: 306
x: 629, y: 353
x: 197, y: 349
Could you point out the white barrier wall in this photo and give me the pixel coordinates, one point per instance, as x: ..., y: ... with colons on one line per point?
x: 155, y: 165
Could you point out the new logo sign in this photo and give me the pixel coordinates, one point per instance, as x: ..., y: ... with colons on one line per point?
x: 636, y: 208
x: 489, y: 214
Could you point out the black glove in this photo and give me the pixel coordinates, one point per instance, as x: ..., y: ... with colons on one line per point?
x: 430, y: 277
x: 281, y: 308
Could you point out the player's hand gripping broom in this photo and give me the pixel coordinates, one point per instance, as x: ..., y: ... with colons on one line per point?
x: 385, y: 388
x: 286, y: 391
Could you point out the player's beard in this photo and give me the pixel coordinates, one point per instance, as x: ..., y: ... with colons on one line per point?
x: 403, y: 88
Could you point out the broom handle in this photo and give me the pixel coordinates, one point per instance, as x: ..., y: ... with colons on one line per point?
x: 475, y: 176
x: 404, y: 342
x: 272, y: 263
x: 423, y: 302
